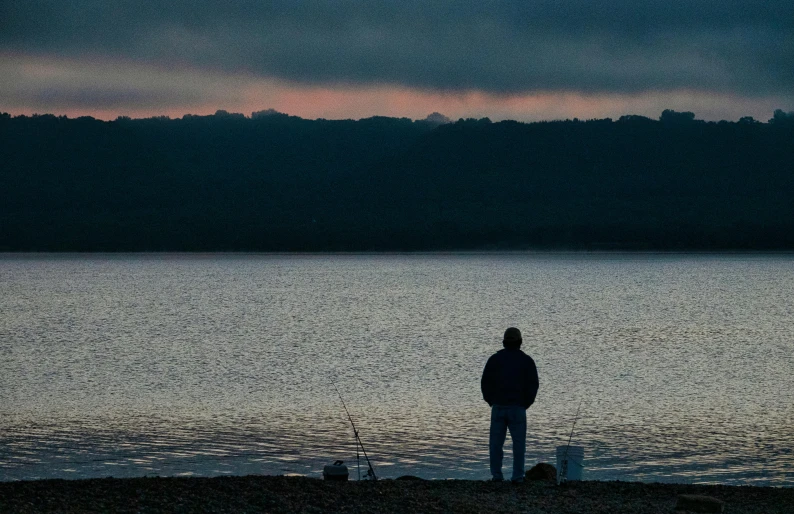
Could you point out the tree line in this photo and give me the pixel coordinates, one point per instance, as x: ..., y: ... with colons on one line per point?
x: 272, y: 182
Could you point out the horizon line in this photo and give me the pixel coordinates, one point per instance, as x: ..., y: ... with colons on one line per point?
x: 434, y: 117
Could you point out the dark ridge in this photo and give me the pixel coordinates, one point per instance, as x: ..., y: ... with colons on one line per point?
x: 274, y: 182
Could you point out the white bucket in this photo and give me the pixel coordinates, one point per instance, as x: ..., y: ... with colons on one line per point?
x: 572, y: 470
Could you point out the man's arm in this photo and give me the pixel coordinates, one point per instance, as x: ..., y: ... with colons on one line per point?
x: 532, y: 384
x: 487, y: 382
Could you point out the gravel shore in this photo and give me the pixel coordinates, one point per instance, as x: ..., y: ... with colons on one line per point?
x: 298, y: 494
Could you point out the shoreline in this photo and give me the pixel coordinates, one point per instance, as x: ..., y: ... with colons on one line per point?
x: 628, y: 253
x: 258, y: 493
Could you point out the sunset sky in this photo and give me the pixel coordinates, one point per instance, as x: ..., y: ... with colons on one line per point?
x: 524, y: 60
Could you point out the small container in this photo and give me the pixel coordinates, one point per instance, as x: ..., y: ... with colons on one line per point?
x: 336, y: 472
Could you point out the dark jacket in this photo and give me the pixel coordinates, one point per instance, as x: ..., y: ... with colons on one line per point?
x: 510, y: 378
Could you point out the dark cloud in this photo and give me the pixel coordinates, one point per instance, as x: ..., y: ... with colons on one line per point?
x: 104, y: 98
x: 744, y: 47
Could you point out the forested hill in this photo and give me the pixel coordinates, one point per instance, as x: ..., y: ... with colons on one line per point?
x: 278, y: 183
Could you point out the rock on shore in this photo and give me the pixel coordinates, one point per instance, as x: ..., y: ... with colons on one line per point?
x: 299, y: 494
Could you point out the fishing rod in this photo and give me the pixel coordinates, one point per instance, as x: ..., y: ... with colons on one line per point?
x: 564, y: 466
x: 371, y: 470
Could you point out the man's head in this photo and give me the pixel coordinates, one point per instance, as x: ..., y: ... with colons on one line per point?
x: 512, y: 338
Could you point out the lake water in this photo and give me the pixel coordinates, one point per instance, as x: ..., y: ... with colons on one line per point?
x: 132, y: 365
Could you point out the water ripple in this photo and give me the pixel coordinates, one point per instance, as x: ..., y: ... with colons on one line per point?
x: 210, y: 365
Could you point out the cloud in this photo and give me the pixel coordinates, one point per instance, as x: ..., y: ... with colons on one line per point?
x: 102, y: 98
x: 51, y: 83
x: 106, y: 88
x: 498, y: 47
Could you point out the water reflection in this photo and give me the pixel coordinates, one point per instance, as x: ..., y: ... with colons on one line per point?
x: 304, y: 445
x: 174, y: 365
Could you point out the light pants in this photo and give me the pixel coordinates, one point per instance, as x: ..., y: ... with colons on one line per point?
x: 514, y: 418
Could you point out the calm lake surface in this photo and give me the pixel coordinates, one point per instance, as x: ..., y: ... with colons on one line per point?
x: 132, y: 365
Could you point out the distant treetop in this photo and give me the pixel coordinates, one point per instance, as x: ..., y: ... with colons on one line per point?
x: 265, y: 113
x: 671, y: 116
x: 437, y: 118
x: 782, y: 118
x: 221, y: 113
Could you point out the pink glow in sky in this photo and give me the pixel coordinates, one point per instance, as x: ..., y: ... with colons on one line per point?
x: 105, y: 89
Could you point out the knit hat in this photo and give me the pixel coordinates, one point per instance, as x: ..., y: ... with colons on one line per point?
x: 512, y: 336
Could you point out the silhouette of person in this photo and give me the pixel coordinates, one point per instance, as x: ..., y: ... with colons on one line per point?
x: 509, y: 384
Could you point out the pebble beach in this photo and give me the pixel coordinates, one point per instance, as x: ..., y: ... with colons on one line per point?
x: 277, y: 494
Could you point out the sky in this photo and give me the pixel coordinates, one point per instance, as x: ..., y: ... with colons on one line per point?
x: 512, y: 59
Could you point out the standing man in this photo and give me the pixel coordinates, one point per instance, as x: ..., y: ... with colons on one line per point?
x: 509, y: 385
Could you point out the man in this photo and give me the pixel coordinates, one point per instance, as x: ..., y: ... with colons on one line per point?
x: 509, y: 385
